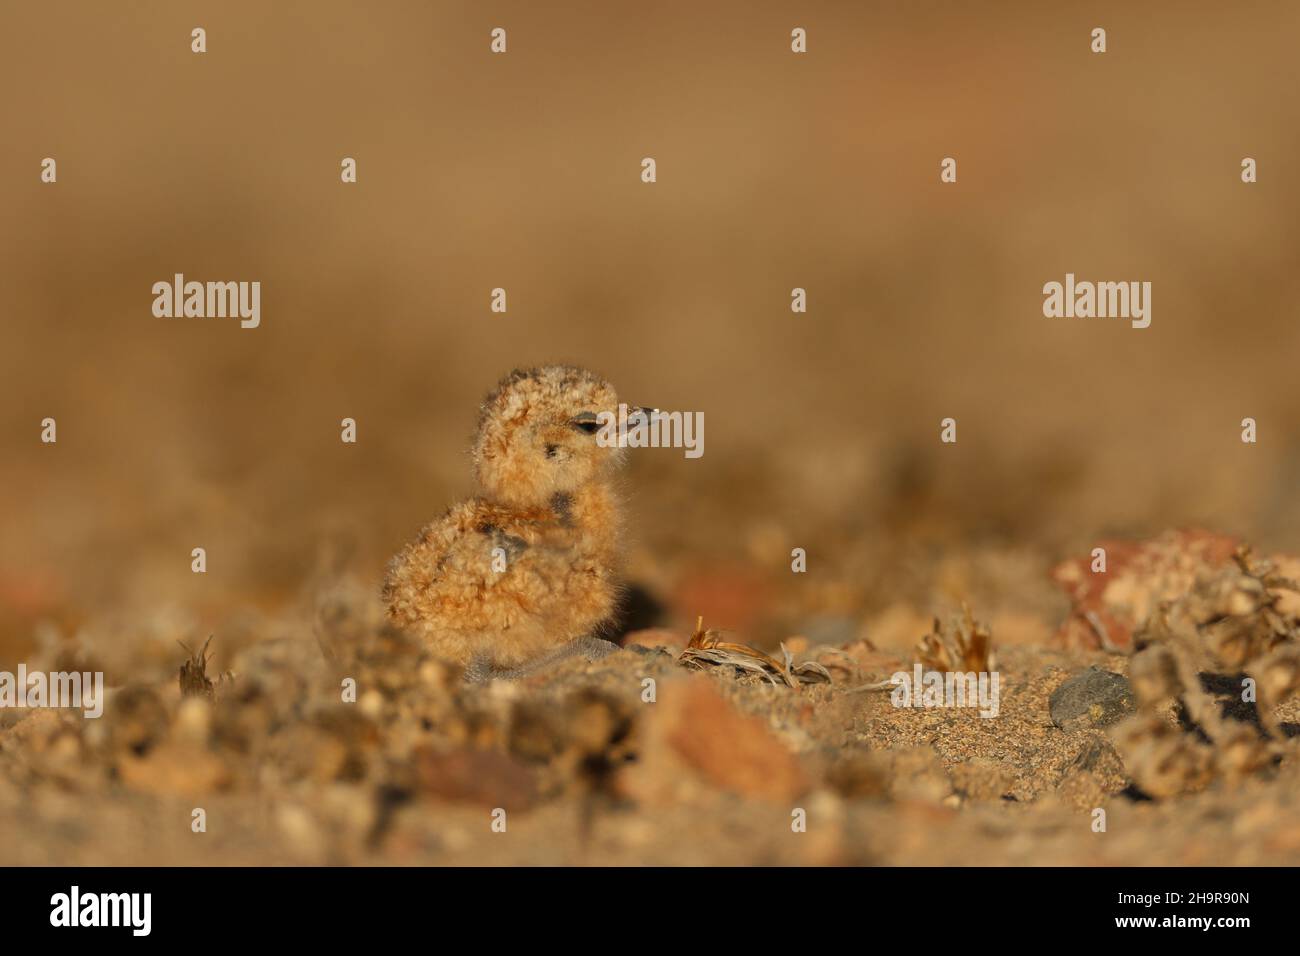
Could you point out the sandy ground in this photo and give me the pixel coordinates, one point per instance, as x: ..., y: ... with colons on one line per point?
x: 580, y: 766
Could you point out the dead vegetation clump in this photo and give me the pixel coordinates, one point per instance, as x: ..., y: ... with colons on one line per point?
x: 707, y: 650
x: 194, y: 680
x: 1210, y: 671
x: 964, y: 645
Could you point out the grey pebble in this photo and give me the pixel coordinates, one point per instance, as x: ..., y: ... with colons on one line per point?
x: 1093, y: 698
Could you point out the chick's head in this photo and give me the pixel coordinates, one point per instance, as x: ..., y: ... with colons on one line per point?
x: 540, y: 435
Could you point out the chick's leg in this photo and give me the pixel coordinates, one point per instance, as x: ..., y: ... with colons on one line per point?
x: 481, y: 669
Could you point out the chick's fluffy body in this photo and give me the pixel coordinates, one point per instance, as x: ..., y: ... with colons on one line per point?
x: 548, y: 512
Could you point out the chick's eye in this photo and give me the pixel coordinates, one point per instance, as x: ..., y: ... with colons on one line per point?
x: 586, y: 422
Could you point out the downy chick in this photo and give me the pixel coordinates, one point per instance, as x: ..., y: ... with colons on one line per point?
x: 523, y: 573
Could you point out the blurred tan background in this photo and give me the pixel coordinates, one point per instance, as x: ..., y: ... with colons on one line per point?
x: 522, y: 171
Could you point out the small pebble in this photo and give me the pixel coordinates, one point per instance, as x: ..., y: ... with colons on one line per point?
x: 1093, y: 698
